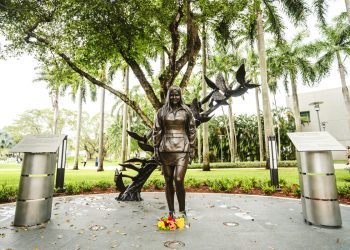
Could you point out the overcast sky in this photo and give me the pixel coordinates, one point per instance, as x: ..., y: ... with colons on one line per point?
x: 19, y: 93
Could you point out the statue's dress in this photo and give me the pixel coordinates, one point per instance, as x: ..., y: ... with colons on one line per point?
x: 175, y: 137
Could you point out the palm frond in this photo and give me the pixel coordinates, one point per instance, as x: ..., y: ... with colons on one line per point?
x: 307, y: 71
x: 324, y: 63
x: 274, y: 20
x: 321, y: 7
x: 296, y: 10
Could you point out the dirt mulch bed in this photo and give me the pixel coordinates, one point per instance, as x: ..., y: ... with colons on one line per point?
x: 203, y: 189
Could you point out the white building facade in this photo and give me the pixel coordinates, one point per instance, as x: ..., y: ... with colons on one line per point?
x: 331, y: 115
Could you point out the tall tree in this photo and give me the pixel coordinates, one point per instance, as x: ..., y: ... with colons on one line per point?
x: 123, y: 156
x: 206, y: 161
x: 101, y: 132
x: 78, y: 128
x: 259, y: 10
x: 57, y: 76
x: 286, y: 62
x: 334, y: 47
x: 101, y: 151
x: 224, y: 62
x: 253, y: 73
x: 84, y: 35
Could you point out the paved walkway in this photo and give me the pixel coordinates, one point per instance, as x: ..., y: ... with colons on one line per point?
x: 215, y: 221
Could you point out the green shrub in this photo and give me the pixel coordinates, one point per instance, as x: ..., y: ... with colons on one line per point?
x: 296, y: 190
x: 228, y: 184
x: 260, y: 183
x: 246, y: 186
x: 157, y: 183
x: 343, y: 190
x: 78, y: 187
x: 244, y: 164
x: 268, y: 190
x: 147, y: 185
x: 8, y: 193
x: 192, y: 183
x: 104, y: 185
x: 215, y: 185
x: 85, y: 186
x: 70, y: 188
x: 253, y: 181
x: 282, y: 182
x: 286, y: 188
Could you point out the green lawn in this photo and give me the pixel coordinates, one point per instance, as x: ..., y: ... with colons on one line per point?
x: 10, y: 173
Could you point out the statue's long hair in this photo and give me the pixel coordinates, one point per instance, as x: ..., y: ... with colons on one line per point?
x: 166, y: 109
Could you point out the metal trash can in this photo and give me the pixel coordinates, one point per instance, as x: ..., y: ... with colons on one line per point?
x: 34, y: 200
x: 319, y: 196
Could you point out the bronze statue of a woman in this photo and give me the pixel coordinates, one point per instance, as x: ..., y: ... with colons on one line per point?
x: 174, y: 137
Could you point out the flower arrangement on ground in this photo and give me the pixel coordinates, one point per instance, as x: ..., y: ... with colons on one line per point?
x: 171, y: 223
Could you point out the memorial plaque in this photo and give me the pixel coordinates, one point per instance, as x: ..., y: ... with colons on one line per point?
x: 315, y: 141
x: 39, y: 144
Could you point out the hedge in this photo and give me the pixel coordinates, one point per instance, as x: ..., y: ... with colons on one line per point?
x: 244, y: 164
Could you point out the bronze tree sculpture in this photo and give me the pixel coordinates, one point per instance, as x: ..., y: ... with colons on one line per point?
x: 218, y: 96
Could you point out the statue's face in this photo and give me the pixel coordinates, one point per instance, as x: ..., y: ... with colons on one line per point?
x: 175, y: 97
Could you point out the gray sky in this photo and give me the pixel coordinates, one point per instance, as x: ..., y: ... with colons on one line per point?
x: 19, y: 93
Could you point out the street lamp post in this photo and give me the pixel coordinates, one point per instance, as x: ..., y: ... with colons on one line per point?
x: 317, y: 109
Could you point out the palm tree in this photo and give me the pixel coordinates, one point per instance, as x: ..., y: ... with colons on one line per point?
x: 101, y: 132
x: 79, y: 86
x: 253, y: 72
x: 334, y: 47
x: 81, y: 95
x: 296, y: 10
x: 125, y: 116
x: 206, y: 162
x: 288, y: 60
x: 224, y: 62
x: 52, y: 72
x: 103, y: 74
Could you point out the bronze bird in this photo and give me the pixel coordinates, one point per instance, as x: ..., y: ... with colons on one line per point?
x: 131, y: 166
x: 145, y: 147
x: 137, y: 136
x: 243, y: 85
x: 216, y: 95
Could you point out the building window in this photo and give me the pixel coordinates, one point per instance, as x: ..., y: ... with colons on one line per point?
x: 305, y: 117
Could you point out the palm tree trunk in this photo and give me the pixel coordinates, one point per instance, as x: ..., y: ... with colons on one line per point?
x: 77, y: 142
x: 268, y: 124
x: 129, y: 138
x: 54, y: 99
x: 347, y: 3
x: 261, y: 142
x: 162, y: 68
x: 344, y: 88
x: 100, y: 141
x: 206, y: 163
x: 232, y: 132
x: 295, y: 100
x: 125, y: 118
x: 199, y: 146
x: 231, y: 125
